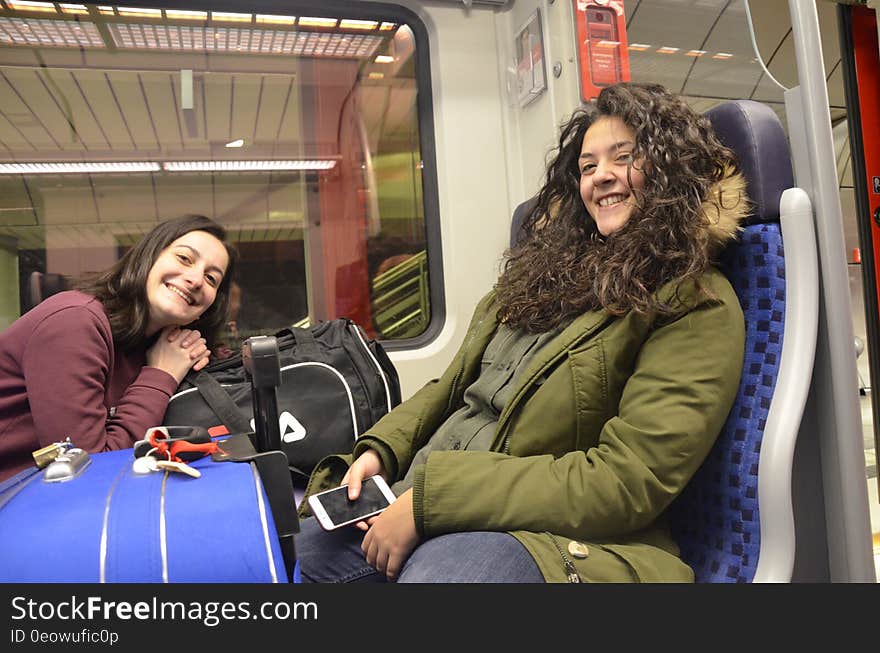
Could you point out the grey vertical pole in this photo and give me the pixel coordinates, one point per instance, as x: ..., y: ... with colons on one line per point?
x: 834, y: 393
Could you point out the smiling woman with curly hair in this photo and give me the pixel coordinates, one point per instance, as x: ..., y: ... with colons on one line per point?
x: 591, y: 384
x: 566, y: 265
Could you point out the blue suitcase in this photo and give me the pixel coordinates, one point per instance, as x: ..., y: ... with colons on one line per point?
x: 110, y: 524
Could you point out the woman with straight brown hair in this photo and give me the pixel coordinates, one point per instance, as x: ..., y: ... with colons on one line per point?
x: 99, y: 363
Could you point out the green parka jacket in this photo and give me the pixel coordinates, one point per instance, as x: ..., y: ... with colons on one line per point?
x: 603, y: 430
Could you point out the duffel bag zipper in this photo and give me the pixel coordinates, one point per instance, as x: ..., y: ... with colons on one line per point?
x: 570, y: 570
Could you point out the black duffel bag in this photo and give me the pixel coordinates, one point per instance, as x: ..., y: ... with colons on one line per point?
x: 335, y: 384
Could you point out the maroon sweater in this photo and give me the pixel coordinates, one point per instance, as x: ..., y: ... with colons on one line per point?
x: 60, y: 376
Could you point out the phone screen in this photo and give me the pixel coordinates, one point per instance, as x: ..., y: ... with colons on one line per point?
x: 604, y: 62
x: 340, y: 509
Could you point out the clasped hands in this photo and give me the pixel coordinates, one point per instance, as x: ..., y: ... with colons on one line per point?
x: 177, y: 350
x: 391, y: 535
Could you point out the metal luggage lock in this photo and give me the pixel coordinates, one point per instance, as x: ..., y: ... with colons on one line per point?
x: 67, y: 465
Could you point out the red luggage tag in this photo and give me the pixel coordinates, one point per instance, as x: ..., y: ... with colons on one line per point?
x: 182, y: 449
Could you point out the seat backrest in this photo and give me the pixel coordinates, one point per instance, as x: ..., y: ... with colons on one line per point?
x: 717, y: 520
x: 42, y: 285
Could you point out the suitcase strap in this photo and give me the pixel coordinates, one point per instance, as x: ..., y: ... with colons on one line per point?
x: 220, y: 402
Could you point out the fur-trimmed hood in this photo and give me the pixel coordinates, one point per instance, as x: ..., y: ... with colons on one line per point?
x: 725, y: 209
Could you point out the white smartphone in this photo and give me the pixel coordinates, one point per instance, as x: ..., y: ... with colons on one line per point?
x: 333, y: 508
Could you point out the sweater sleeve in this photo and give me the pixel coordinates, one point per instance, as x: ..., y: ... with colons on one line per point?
x: 67, y: 365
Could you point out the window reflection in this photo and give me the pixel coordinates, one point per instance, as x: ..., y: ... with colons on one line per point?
x: 166, y: 96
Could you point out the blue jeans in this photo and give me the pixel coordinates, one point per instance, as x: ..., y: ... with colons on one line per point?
x: 474, y: 557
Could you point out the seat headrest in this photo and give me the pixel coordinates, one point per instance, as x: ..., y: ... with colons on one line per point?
x: 753, y: 131
x: 520, y: 213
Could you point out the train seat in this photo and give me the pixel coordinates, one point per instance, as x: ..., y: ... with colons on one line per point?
x: 734, y: 521
x: 42, y: 285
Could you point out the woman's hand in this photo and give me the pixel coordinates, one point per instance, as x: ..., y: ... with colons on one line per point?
x: 391, y: 537
x: 178, y: 350
x: 367, y: 464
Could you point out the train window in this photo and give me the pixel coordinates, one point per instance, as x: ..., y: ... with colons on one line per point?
x: 304, y: 128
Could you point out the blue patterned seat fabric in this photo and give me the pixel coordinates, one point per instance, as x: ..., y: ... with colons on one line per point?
x: 716, y: 517
x: 715, y: 520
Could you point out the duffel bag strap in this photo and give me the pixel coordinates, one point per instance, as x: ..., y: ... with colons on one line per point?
x: 220, y: 402
x: 306, y: 345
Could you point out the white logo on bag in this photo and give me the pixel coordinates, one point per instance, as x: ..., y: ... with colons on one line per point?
x: 291, y: 429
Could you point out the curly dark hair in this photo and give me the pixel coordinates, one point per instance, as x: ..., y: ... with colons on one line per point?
x: 562, y: 266
x: 122, y: 288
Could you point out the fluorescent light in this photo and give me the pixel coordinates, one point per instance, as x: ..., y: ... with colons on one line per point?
x: 311, y: 21
x: 641, y: 47
x: 86, y: 167
x: 182, y: 14
x: 236, y: 143
x: 694, y: 53
x: 240, y: 40
x: 142, y: 13
x: 237, y: 166
x: 275, y: 19
x: 229, y: 17
x: 376, y: 75
x: 387, y: 26
x: 667, y: 50
x: 347, y: 23
x: 73, y: 9
x: 24, y: 5
x: 77, y: 167
x: 722, y: 55
x: 104, y: 10
x: 384, y: 58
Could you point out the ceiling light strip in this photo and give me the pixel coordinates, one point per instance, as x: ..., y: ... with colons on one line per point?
x: 243, y: 40
x: 236, y: 166
x: 139, y: 12
x: 348, y: 23
x: 26, y: 5
x: 77, y: 167
x: 315, y: 21
x: 275, y: 19
x: 84, y: 167
x: 184, y: 14
x: 229, y: 17
x: 73, y: 8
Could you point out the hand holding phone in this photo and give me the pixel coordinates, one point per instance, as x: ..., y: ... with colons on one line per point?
x: 333, y: 508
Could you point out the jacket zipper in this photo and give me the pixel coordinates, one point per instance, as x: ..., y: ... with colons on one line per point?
x: 568, y: 565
